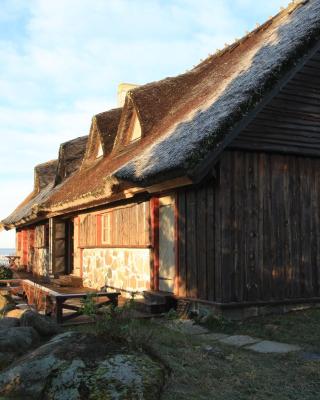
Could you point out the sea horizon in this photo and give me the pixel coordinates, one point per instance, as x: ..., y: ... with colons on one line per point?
x: 7, y: 251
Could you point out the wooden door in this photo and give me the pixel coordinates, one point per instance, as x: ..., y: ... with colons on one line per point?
x: 69, y: 246
x: 58, y: 236
x: 167, y: 267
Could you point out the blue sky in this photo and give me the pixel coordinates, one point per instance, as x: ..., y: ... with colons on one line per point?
x: 61, y: 62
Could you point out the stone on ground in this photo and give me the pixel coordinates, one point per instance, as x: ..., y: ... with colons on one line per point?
x: 239, y: 340
x: 16, y: 313
x: 23, y: 306
x: 267, y: 346
x: 6, y: 323
x: 216, y: 351
x: 14, y: 342
x: 17, y: 339
x: 186, y: 326
x: 213, y: 336
x: 78, y: 366
x: 307, y: 356
x: 6, y: 303
x: 45, y: 326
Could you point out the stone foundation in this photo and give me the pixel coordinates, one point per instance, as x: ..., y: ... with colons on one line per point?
x: 204, y: 309
x: 127, y: 269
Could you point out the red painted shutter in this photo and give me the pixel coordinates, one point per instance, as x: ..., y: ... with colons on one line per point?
x: 24, y: 247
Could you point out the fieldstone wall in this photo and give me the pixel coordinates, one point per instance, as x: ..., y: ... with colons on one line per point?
x: 122, y: 268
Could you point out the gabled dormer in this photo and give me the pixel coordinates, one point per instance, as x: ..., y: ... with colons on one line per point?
x: 130, y: 129
x: 71, y: 154
x: 44, y: 174
x: 102, y: 134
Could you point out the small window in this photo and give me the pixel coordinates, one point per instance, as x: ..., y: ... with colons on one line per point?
x: 134, y: 128
x: 106, y: 228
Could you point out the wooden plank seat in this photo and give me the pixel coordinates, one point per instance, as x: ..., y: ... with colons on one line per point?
x: 13, y: 286
x: 61, y: 303
x: 53, y: 302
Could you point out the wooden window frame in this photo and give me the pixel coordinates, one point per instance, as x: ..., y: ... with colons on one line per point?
x: 112, y: 236
x: 156, y: 202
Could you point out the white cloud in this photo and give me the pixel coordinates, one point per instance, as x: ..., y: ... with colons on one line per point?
x: 12, y: 194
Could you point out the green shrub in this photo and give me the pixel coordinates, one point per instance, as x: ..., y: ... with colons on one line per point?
x: 89, y: 306
x: 172, y: 314
x: 219, y: 323
x: 117, y: 323
x: 5, y: 272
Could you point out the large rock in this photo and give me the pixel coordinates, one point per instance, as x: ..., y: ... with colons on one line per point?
x: 18, y: 339
x: 43, y: 325
x: 6, y: 323
x: 16, y: 313
x: 75, y: 366
x: 14, y: 342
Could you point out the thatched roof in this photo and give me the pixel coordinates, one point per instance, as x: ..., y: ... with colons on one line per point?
x: 185, y: 117
x: 44, y: 178
x: 49, y: 178
x: 104, y: 127
x: 44, y: 174
x: 93, y: 178
x: 70, y: 157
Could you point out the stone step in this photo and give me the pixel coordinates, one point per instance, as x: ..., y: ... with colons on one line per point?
x: 162, y: 298
x: 148, y: 307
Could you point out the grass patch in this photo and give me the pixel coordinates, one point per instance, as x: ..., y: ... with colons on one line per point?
x: 301, y: 327
x: 227, y: 373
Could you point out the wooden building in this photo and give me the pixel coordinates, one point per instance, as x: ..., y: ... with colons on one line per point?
x: 205, y: 185
x: 32, y: 227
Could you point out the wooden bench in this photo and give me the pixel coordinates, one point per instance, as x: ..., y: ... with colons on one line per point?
x: 112, y: 299
x: 53, y: 302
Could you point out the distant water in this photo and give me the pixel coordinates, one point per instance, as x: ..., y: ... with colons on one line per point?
x: 7, y: 252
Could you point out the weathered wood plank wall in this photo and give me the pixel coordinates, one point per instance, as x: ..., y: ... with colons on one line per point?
x: 253, y: 234
x: 291, y: 122
x: 130, y: 226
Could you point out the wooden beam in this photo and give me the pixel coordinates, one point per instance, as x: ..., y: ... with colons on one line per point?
x: 154, y: 278
x: 176, y: 243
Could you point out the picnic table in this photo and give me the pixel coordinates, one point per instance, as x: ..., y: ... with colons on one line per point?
x: 61, y: 303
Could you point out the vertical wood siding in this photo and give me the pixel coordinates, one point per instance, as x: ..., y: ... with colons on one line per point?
x: 130, y: 226
x: 88, y: 230
x: 253, y: 233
